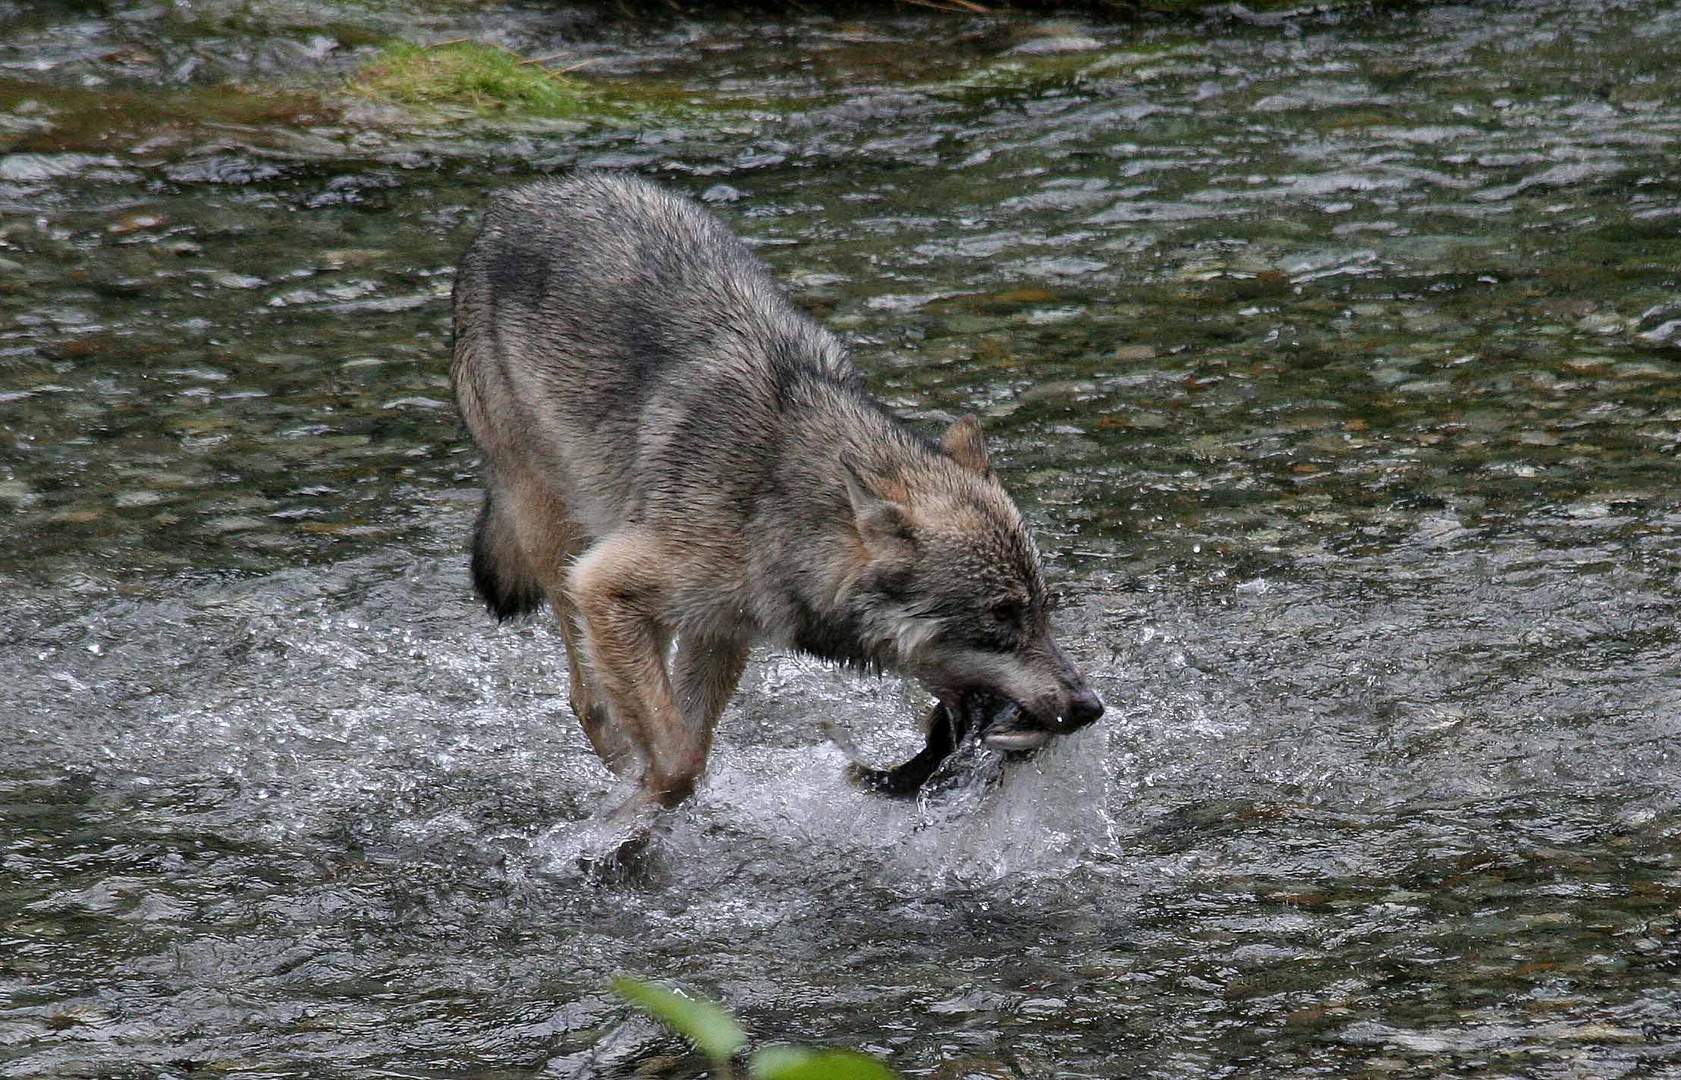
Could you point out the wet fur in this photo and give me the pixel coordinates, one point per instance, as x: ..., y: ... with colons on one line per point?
x: 681, y: 464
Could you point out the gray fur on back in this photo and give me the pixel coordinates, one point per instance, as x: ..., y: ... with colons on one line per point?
x: 617, y: 309
x: 623, y: 344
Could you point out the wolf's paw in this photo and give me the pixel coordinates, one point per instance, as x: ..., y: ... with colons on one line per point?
x: 614, y: 845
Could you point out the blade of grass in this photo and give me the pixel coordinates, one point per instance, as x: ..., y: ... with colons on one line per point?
x: 704, y: 1023
x: 794, y: 1063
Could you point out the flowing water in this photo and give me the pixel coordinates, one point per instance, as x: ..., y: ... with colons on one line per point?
x: 1335, y: 355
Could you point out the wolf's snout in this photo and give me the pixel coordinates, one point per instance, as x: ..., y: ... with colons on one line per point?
x: 1084, y: 707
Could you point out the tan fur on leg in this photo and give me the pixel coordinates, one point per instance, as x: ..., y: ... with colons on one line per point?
x: 552, y: 543
x: 618, y: 587
x: 611, y: 743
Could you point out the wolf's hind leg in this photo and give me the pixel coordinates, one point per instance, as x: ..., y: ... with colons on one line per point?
x: 619, y: 588
x: 551, y: 542
x: 610, y: 741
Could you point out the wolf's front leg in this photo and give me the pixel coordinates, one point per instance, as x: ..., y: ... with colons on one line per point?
x: 619, y: 590
x: 704, y: 674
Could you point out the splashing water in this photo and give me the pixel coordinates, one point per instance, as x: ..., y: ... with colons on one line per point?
x: 1330, y: 351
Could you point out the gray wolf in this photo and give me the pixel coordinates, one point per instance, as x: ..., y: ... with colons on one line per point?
x: 680, y: 465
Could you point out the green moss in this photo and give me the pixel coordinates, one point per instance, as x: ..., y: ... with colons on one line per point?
x: 466, y: 78
x: 483, y: 78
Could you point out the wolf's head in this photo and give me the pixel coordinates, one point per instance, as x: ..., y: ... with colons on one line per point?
x: 952, y: 582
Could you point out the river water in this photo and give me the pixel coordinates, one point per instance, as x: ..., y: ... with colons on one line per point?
x: 1334, y: 354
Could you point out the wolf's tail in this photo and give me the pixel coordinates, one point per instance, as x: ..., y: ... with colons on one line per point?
x: 501, y: 573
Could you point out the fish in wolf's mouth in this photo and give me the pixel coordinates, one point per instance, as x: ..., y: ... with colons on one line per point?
x: 996, y: 722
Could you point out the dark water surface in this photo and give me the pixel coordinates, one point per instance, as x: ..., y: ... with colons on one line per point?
x: 1335, y: 356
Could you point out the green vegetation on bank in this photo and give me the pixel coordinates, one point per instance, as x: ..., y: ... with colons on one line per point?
x: 470, y: 75
x: 715, y: 1033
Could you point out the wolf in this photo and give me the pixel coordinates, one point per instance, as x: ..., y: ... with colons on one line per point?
x: 682, y: 465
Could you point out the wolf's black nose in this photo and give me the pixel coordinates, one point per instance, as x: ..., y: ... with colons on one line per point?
x: 1084, y: 707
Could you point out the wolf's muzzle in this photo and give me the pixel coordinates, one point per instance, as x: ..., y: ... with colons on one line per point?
x: 1007, y: 726
x: 1084, y: 708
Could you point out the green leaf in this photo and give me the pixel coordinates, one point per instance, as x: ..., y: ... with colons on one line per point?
x: 795, y: 1063
x: 704, y: 1023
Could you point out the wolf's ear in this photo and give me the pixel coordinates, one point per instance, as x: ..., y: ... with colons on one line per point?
x: 964, y: 444
x: 883, y: 524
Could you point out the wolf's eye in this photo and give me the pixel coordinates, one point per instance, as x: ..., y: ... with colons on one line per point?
x: 1007, y: 612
